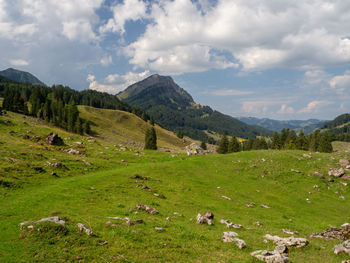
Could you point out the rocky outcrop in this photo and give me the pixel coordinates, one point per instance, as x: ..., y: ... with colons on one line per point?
x: 54, y: 139
x: 206, y: 218
x: 339, y: 233
x: 54, y: 219
x: 84, y: 228
x: 231, y: 237
x: 193, y: 149
x: 230, y: 224
x: 270, y: 256
x: 148, y: 209
x: 344, y: 162
x: 336, y: 172
x: 319, y: 175
x: 342, y: 248
x: 288, y: 241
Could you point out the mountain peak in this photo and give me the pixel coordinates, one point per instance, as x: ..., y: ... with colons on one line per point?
x: 20, y: 76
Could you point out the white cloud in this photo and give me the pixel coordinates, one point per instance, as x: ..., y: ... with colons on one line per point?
x: 115, y: 83
x: 314, y: 106
x: 19, y: 62
x: 106, y: 61
x: 128, y: 10
x: 230, y: 92
x: 258, y: 106
x: 286, y: 110
x: 187, y: 36
x: 341, y: 83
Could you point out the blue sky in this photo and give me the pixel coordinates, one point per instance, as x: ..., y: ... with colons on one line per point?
x: 265, y: 58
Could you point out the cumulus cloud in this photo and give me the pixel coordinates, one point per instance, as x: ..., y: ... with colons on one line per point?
x: 258, y: 106
x: 286, y: 110
x: 341, y: 83
x: 315, y: 106
x: 115, y: 83
x: 187, y: 36
x: 106, y: 61
x: 230, y: 92
x: 18, y: 62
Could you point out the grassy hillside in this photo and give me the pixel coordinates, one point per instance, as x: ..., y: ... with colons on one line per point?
x: 123, y: 127
x: 189, y: 185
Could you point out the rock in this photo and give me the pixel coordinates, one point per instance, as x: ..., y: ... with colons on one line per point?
x: 269, y: 256
x: 344, y: 183
x: 102, y: 243
x: 250, y: 204
x: 319, y: 175
x: 226, y: 197
x: 344, y: 162
x: 230, y: 224
x: 209, y: 215
x: 53, y: 139
x: 295, y: 171
x: 139, y: 177
x: 159, y: 229
x: 105, y: 157
x: 229, y: 236
x: 258, y: 223
x: 193, y: 149
x: 282, y: 249
x: 7, y: 121
x: 336, y: 172
x: 289, y: 232
x: 148, y: 209
x: 288, y: 241
x: 346, y: 177
x: 343, y: 247
x: 145, y: 187
x: 73, y: 151
x: 307, y: 156
x: 265, y: 206
x: 341, y: 233
x: 330, y: 179
x: 203, y: 220
x: 177, y: 214
x: 84, y: 228
x: 54, y: 219
x: 346, y: 261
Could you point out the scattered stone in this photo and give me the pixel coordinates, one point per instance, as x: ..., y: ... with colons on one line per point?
x: 270, y: 256
x: 346, y: 177
x: 86, y: 162
x: 230, y: 224
x: 282, y: 249
x: 258, y: 223
x: 145, y: 187
x: 330, y: 179
x: 7, y: 121
x: 265, y: 206
x: 203, y: 219
x: 308, y: 201
x: 177, y: 214
x: 84, y: 228
x: 123, y: 161
x: 341, y: 233
x: 73, y: 151
x: 102, y: 243
x: 250, y: 204
x: 159, y: 229
x: 307, y: 156
x: 53, y: 174
x: 319, y: 175
x: 168, y: 219
x: 288, y: 241
x: 295, y: 171
x: 194, y: 149
x: 346, y: 261
x: 54, y: 219
x: 336, y: 172
x: 343, y: 247
x: 148, y: 209
x: 53, y: 139
x: 290, y: 232
x: 342, y: 197
x: 105, y: 157
x: 209, y: 215
x: 226, y: 197
x: 229, y: 236
x: 344, y: 183
x: 344, y: 162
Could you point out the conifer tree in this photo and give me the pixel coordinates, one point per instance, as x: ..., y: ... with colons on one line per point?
x: 325, y: 144
x: 151, y: 139
x: 233, y: 145
x: 249, y: 144
x: 276, y: 142
x: 87, y: 128
x: 301, y: 142
x: 314, y: 141
x: 203, y: 145
x: 223, y: 145
x: 283, y: 138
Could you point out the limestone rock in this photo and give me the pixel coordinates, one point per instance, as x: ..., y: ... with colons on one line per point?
x: 203, y: 219
x: 84, y: 228
x: 193, y: 149
x: 319, y: 175
x: 209, y: 215
x: 229, y: 236
x: 148, y: 209
x: 54, y: 219
x: 343, y: 247
x: 290, y: 232
x: 307, y: 156
x: 288, y: 241
x: 339, y: 233
x: 269, y: 256
x: 295, y: 171
x: 336, y: 172
x: 230, y: 224
x: 53, y: 139
x: 344, y: 162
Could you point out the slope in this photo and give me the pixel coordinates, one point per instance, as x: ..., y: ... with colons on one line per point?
x: 21, y: 76
x: 174, y: 108
x: 184, y: 185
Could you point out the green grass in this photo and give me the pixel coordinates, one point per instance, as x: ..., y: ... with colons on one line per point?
x: 190, y: 185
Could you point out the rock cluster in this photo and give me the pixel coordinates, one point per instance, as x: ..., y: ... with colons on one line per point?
x: 339, y: 233
x: 271, y: 256
x: 193, y: 149
x: 206, y: 218
x: 148, y: 209
x: 54, y: 219
x: 288, y: 241
x: 343, y: 247
x: 229, y: 237
x: 53, y: 139
x: 230, y: 224
x: 336, y: 172
x: 84, y: 228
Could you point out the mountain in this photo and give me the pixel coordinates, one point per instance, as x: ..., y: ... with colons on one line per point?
x: 173, y: 108
x: 340, y: 127
x: 21, y: 76
x: 308, y: 126
x: 339, y: 121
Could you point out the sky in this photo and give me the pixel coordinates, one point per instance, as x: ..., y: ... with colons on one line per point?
x: 264, y: 58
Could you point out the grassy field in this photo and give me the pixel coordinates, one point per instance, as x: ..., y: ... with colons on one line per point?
x: 188, y: 185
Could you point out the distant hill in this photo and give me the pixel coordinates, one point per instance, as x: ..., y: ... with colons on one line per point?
x: 21, y: 76
x: 341, y: 120
x: 4, y: 80
x: 308, y: 126
x: 173, y: 108
x: 340, y: 127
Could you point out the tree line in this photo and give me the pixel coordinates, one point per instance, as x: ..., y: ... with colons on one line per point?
x: 286, y: 140
x: 58, y: 104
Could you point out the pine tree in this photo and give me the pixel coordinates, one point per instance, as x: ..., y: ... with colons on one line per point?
x: 87, y: 128
x: 325, y: 144
x: 151, y: 139
x: 314, y: 141
x: 249, y: 144
x: 152, y: 121
x: 276, y: 142
x: 301, y: 142
x: 223, y: 145
x: 203, y: 145
x: 179, y: 134
x: 233, y: 145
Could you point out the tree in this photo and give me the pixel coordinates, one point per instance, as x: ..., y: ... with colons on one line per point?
x: 314, y: 141
x: 233, y: 145
x: 87, y: 128
x: 249, y: 144
x: 276, y: 142
x: 180, y: 134
x: 325, y: 144
x: 223, y: 145
x: 203, y: 145
x: 151, y: 139
x: 301, y: 142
